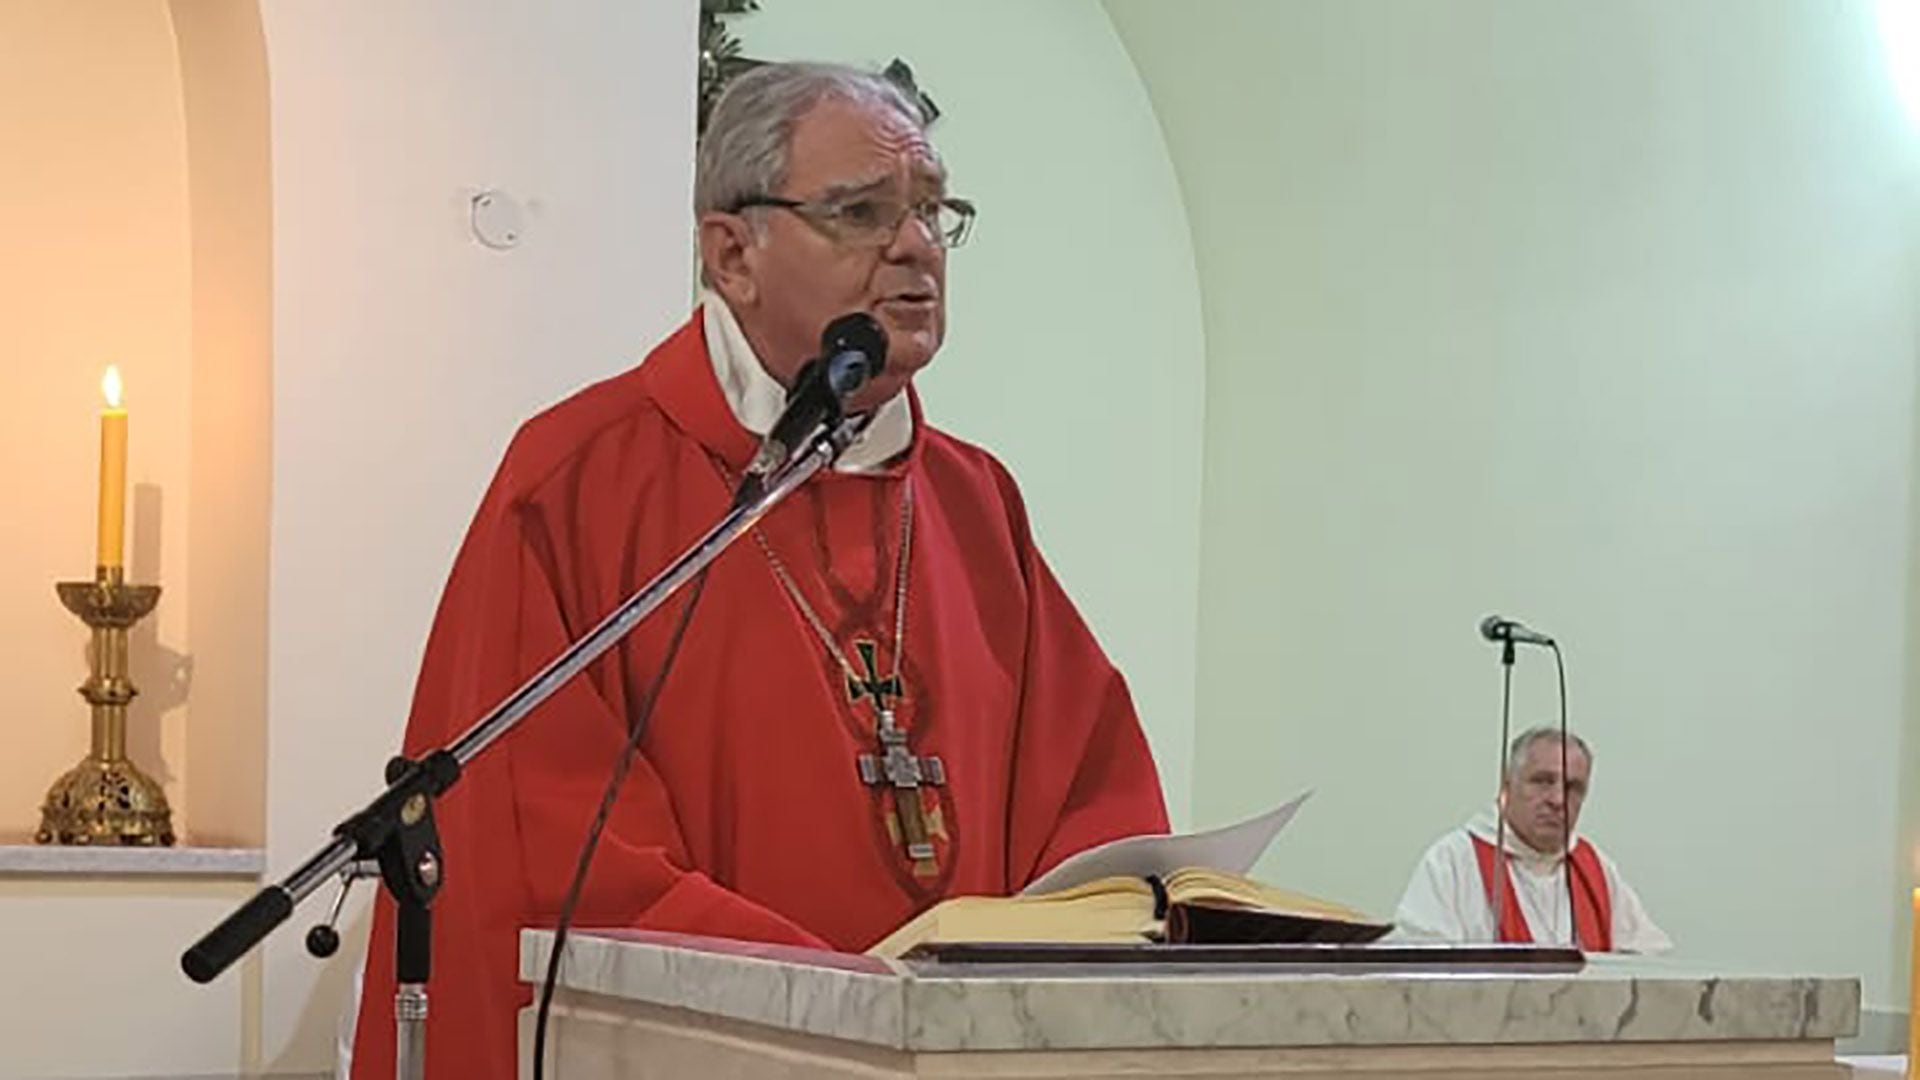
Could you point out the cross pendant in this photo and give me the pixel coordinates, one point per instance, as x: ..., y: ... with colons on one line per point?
x: 896, y: 766
x: 879, y: 689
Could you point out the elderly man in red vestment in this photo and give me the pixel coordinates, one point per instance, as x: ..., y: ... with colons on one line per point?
x: 897, y: 601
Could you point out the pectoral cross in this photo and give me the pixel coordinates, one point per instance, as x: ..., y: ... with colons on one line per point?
x: 896, y: 765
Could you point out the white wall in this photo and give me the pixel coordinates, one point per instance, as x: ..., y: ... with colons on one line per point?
x: 95, y: 985
x: 1600, y: 315
x: 406, y: 353
x: 1076, y: 349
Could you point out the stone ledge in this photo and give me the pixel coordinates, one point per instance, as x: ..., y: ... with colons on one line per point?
x: 21, y: 860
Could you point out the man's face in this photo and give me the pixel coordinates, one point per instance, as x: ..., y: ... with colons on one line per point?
x: 801, y: 272
x: 1532, y: 796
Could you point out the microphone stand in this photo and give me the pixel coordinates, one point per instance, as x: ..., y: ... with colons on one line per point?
x: 397, y: 828
x: 1500, y: 796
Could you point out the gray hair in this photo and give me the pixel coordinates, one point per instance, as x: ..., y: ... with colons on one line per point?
x: 745, y: 149
x: 1517, y: 750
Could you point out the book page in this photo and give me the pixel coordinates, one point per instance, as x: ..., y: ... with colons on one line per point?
x: 1234, y: 849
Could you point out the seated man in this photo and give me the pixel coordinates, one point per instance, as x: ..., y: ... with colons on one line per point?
x: 1453, y: 893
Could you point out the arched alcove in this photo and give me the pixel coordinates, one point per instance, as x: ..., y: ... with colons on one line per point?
x: 135, y: 204
x: 136, y: 212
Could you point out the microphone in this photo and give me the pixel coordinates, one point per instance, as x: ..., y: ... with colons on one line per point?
x: 853, y: 349
x: 1495, y: 628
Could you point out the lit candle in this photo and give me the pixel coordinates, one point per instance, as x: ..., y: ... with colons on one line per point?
x: 1913, y: 995
x: 113, y: 473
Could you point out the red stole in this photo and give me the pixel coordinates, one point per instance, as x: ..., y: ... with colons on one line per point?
x: 1592, y: 903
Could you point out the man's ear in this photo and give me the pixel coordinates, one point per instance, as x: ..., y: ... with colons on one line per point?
x: 725, y: 243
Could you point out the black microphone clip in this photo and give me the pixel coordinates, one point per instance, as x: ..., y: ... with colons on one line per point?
x: 853, y: 351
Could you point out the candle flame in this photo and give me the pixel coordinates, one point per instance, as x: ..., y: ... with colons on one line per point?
x: 110, y: 385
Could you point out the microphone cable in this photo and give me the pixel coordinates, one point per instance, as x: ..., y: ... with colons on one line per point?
x: 1500, y: 859
x: 1566, y: 807
x: 615, y: 782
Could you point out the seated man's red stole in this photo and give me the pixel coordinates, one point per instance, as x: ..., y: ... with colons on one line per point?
x: 1592, y: 903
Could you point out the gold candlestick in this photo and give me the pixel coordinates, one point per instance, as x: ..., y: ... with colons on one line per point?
x: 106, y: 799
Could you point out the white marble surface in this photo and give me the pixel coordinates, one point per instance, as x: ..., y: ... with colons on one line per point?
x: 1882, y: 1066
x: 43, y: 859
x: 875, y: 1002
x: 841, y: 997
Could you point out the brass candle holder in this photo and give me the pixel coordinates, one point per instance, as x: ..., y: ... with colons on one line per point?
x: 106, y: 799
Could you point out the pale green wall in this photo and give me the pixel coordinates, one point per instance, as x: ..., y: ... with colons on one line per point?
x: 1075, y: 352
x: 1599, y: 315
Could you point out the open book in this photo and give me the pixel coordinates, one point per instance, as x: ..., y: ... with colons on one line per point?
x: 1188, y: 889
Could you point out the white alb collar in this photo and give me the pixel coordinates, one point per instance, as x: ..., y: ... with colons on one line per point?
x: 757, y: 398
x: 1484, y: 825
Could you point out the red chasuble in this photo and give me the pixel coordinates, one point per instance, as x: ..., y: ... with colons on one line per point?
x: 1592, y: 902
x: 747, y: 815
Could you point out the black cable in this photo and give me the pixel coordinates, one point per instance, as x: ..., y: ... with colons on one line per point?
x: 1566, y: 807
x: 607, y: 799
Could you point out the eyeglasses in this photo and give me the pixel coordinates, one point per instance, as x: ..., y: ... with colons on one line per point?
x: 873, y: 221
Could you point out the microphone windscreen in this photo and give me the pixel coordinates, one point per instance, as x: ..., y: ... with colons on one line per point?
x: 856, y: 332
